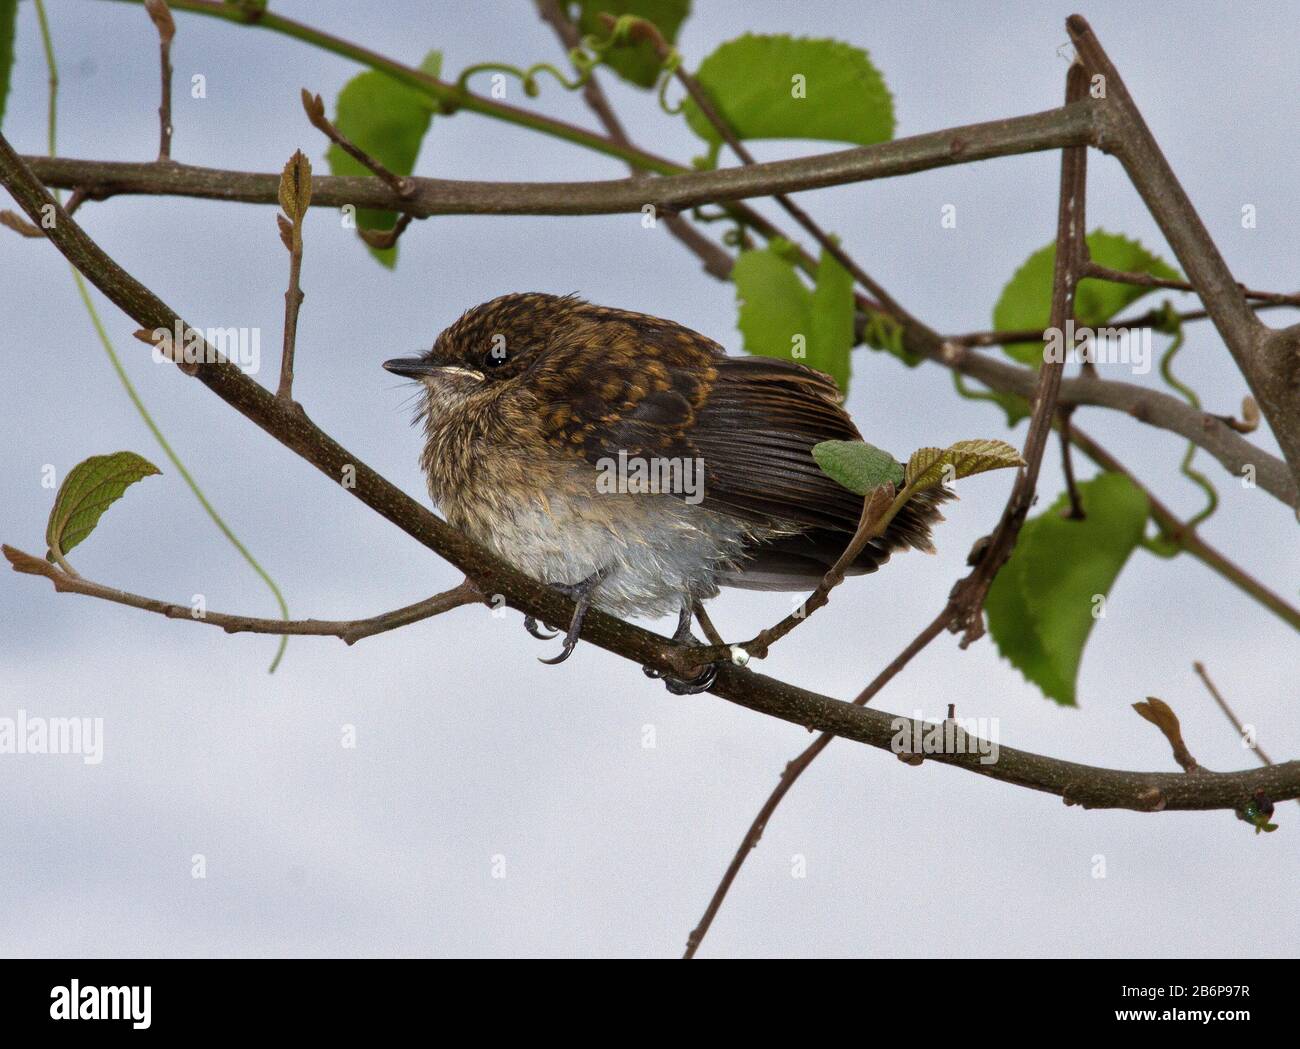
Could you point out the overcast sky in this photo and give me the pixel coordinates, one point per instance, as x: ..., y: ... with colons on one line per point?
x: 472, y: 759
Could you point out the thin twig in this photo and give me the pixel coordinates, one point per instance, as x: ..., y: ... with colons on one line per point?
x: 794, y: 769
x: 162, y: 19
x: 293, y: 297
x: 349, y: 630
x: 1217, y: 696
x: 380, y: 239
x: 706, y: 624
x: 295, y: 198
x: 969, y: 594
x: 12, y: 220
x: 314, y: 106
x: 1150, y: 280
x: 1075, y: 512
x: 873, y: 521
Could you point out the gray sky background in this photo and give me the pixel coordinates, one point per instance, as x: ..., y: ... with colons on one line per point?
x: 467, y: 747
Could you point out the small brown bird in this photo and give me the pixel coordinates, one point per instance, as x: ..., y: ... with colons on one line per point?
x: 630, y: 463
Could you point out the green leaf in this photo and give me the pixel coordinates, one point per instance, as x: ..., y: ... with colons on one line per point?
x: 774, y: 303
x: 830, y: 337
x: 783, y: 87
x: 387, y: 120
x: 858, y: 466
x: 90, y: 488
x: 927, y: 466
x: 8, y: 25
x: 780, y: 317
x: 1041, y: 605
x: 637, y: 62
x: 1026, y: 301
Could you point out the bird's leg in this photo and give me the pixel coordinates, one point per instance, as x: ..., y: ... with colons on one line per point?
x: 580, y: 594
x: 703, y: 681
x: 682, y: 635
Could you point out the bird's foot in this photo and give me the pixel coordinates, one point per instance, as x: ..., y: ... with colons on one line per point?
x: 702, y: 681
x: 580, y: 594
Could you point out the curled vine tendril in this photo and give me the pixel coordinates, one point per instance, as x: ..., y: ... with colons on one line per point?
x: 1170, y: 323
x: 590, y: 53
x: 669, y: 69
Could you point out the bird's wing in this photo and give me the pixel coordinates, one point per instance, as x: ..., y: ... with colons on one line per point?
x: 751, y: 422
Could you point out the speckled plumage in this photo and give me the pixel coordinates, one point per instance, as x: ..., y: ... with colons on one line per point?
x: 527, y: 394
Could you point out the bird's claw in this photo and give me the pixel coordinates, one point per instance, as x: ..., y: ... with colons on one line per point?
x: 566, y: 650
x: 531, y: 625
x: 702, y: 682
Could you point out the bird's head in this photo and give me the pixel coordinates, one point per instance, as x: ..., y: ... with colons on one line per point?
x: 495, y: 341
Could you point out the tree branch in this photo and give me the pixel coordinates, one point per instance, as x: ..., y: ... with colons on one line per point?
x: 996, y: 138
x: 969, y: 594
x: 349, y: 630
x: 1149, y: 406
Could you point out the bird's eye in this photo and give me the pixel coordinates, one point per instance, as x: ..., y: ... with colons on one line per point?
x: 497, y: 353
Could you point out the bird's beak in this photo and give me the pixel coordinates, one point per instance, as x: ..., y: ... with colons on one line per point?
x: 411, y: 367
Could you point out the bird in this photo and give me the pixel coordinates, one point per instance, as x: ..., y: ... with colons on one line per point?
x: 632, y: 464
